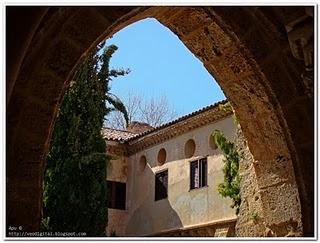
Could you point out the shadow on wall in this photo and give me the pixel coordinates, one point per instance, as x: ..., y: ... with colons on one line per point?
x: 144, y: 221
x: 149, y: 216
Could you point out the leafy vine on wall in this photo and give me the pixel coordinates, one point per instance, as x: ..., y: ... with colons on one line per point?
x: 231, y: 184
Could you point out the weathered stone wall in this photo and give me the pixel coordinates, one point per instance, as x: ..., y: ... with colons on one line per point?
x: 249, y: 221
x: 251, y: 218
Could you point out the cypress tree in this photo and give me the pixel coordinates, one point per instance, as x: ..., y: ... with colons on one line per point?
x: 75, y: 193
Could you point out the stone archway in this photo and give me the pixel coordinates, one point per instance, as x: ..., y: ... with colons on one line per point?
x: 246, y: 49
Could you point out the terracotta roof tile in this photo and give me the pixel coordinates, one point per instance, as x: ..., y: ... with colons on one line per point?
x: 195, y: 113
x: 124, y: 136
x: 116, y: 134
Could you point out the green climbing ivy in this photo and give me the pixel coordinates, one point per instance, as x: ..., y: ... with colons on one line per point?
x: 231, y: 185
x: 228, y: 107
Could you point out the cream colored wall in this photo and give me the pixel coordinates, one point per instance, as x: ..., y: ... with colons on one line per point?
x: 117, y: 169
x: 182, y: 208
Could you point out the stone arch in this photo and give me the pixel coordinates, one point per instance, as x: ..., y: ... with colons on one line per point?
x: 244, y: 48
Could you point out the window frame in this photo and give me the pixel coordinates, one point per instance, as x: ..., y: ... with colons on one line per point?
x: 201, y: 184
x: 113, y: 202
x: 156, y: 199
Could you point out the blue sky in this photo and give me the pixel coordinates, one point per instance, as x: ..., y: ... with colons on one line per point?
x: 160, y: 64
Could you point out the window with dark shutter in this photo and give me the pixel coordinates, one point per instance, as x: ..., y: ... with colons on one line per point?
x: 198, y: 173
x: 194, y: 178
x: 117, y: 195
x: 161, y: 185
x: 203, y: 166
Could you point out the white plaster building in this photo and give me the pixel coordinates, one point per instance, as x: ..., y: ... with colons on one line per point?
x: 163, y: 181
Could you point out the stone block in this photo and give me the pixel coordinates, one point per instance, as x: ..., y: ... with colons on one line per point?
x: 24, y: 190
x: 240, y: 19
x: 196, y: 18
x: 280, y: 204
x: 85, y: 26
x: 221, y: 232
x: 14, y: 110
x: 47, y: 89
x: 250, y: 229
x: 62, y: 60
x: 300, y: 121
x: 218, y: 35
x: 274, y: 172
x: 112, y: 13
x: 24, y: 214
x: 281, y: 83
x: 37, y: 119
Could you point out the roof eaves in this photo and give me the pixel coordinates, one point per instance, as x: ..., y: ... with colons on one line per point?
x: 139, y: 135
